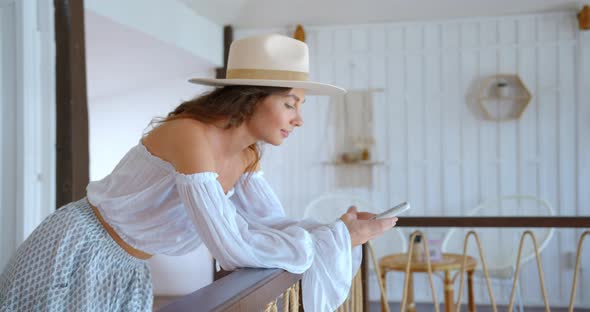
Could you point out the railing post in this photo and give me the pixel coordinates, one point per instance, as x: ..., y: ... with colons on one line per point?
x: 72, y: 174
x: 365, y: 278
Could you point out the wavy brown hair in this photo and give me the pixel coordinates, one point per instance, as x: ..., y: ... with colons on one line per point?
x: 230, y: 104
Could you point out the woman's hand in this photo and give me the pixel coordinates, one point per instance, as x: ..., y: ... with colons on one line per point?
x: 362, y: 229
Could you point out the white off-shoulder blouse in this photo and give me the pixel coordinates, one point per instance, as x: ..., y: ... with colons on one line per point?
x: 160, y: 211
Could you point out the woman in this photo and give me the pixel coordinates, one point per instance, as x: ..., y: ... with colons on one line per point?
x: 194, y: 178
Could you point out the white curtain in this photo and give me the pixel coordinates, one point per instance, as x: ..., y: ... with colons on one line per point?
x: 7, y: 130
x: 27, y: 120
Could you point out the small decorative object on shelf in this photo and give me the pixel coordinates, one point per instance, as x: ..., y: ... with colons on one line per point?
x: 365, y: 155
x: 363, y: 147
x: 584, y: 18
x: 361, y: 152
x: 503, y: 97
x: 350, y: 157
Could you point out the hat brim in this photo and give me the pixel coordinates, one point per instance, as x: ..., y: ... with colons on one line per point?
x: 311, y: 87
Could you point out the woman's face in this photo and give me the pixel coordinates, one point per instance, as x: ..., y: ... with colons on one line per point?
x: 277, y: 116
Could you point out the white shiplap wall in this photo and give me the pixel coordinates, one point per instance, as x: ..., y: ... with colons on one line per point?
x: 439, y: 152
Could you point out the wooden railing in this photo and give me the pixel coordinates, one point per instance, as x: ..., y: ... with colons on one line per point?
x: 253, y: 289
x: 242, y: 290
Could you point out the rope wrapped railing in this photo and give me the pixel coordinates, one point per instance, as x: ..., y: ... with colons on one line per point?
x: 290, y: 300
x: 354, y: 301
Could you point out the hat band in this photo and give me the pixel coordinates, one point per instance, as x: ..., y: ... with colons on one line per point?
x: 266, y: 74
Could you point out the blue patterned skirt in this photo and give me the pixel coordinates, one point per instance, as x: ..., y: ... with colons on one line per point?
x: 70, y: 263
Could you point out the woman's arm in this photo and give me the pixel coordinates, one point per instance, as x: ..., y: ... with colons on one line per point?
x: 232, y: 240
x: 267, y: 240
x: 327, y: 282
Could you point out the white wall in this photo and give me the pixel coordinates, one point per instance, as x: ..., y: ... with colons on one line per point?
x: 439, y: 153
x: 169, y: 21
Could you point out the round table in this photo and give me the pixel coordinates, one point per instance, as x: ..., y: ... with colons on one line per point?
x: 449, y: 262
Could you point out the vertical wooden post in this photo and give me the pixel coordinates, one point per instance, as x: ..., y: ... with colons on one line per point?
x: 228, y: 37
x: 365, y: 278
x: 72, y: 173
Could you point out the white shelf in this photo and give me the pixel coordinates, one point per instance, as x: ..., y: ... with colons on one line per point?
x: 506, y: 98
x: 354, y: 163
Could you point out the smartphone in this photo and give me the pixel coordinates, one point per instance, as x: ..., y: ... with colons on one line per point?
x: 393, y: 212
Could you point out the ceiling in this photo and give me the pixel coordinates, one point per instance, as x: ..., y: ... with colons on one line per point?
x: 281, y: 13
x: 115, y: 48
x: 120, y: 59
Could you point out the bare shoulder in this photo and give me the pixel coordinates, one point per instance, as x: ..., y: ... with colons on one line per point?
x: 184, y: 144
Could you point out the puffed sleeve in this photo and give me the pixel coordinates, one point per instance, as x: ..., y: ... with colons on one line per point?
x: 235, y: 242
x: 327, y: 281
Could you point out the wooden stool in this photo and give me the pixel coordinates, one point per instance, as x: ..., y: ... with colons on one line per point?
x: 450, y: 262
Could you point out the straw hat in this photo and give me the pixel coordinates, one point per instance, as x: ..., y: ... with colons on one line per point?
x: 270, y: 60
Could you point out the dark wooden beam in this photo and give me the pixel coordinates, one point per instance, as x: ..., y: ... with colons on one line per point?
x: 365, y: 277
x: 228, y: 37
x: 499, y: 222
x: 72, y: 173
